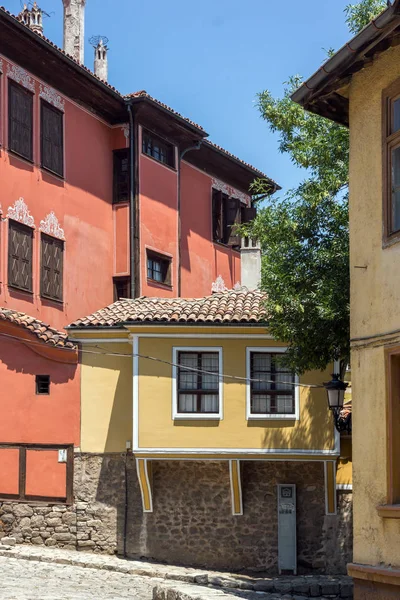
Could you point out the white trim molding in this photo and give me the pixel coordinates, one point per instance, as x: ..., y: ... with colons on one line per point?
x: 21, y: 76
x: 19, y: 212
x: 267, y: 417
x: 344, y: 487
x: 51, y: 96
x: 51, y: 226
x: 176, y: 415
x: 135, y: 391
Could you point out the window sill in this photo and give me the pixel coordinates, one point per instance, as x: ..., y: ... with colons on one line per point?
x: 18, y: 289
x: 15, y: 154
x: 197, y: 416
x: 52, y: 173
x: 226, y: 246
x: 54, y: 300
x: 165, y: 286
x: 389, y: 511
x: 268, y: 417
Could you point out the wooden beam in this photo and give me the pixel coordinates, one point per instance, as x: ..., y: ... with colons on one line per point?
x: 144, y: 477
x: 236, y: 487
x: 330, y: 487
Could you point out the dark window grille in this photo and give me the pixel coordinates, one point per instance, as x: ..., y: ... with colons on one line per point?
x: 121, y: 176
x: 52, y: 267
x: 20, y: 244
x: 272, y: 392
x: 159, y: 149
x: 198, y: 392
x: 20, y: 120
x: 158, y: 268
x: 42, y: 385
x: 52, y: 139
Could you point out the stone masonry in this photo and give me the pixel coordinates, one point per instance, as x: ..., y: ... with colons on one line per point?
x: 192, y: 522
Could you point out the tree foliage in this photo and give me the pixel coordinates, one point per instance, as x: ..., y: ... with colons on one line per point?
x: 304, y: 236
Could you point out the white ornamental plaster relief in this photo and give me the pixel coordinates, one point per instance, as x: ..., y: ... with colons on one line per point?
x: 52, y: 97
x: 218, y: 285
x: 231, y: 191
x: 1, y: 65
x: 20, y: 212
x: 51, y: 226
x: 19, y: 75
x: 125, y: 131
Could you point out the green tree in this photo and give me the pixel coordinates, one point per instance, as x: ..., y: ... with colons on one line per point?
x: 304, y: 236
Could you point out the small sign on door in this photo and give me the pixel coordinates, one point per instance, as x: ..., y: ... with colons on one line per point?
x: 62, y: 456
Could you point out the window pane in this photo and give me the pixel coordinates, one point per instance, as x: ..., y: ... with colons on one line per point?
x: 187, y: 403
x: 261, y: 404
x: 396, y: 115
x: 209, y: 362
x: 209, y: 403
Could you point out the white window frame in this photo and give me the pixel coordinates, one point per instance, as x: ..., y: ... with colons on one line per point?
x: 267, y: 416
x: 189, y: 416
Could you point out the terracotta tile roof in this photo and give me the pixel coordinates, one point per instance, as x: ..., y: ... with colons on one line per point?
x: 144, y: 94
x: 223, y: 308
x: 239, y: 160
x: 42, y: 331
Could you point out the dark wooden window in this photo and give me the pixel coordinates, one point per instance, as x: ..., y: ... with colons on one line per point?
x: 42, y: 385
x: 122, y: 288
x: 121, y: 176
x: 20, y: 120
x: 158, y: 148
x: 51, y: 271
x: 227, y: 213
x: 52, y: 138
x: 198, y: 391
x: 158, y: 268
x: 272, y: 385
x: 20, y: 243
x: 393, y: 426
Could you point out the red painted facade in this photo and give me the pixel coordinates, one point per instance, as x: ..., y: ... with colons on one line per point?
x: 173, y: 222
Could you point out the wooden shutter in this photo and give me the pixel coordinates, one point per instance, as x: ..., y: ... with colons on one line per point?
x: 248, y: 214
x: 217, y: 215
x: 20, y: 245
x: 20, y: 120
x: 121, y: 176
x: 52, y: 139
x: 232, y: 218
x: 52, y: 264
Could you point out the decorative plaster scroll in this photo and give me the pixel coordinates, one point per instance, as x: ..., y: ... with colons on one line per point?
x: 125, y: 131
x: 21, y: 76
x: 218, y: 285
x: 51, y: 226
x: 231, y: 191
x: 51, y: 96
x: 1, y: 65
x: 20, y: 212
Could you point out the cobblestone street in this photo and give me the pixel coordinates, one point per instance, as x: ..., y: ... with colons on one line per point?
x: 32, y: 580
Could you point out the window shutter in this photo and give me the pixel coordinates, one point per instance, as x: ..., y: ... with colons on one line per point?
x: 20, y: 256
x: 51, y: 280
x: 52, y: 139
x: 232, y: 218
x: 20, y: 121
x: 121, y: 176
x: 248, y: 214
x: 217, y: 215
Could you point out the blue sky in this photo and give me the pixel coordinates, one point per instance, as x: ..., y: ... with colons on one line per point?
x: 208, y: 59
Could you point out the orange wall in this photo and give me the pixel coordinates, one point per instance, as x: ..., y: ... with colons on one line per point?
x: 202, y: 260
x: 9, y: 471
x: 45, y: 476
x: 26, y: 417
x: 82, y: 203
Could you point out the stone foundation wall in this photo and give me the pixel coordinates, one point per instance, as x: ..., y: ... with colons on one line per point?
x: 192, y: 523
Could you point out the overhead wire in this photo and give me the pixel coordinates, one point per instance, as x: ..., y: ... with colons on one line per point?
x: 169, y: 363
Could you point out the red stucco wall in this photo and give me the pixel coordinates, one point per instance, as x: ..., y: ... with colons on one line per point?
x: 45, y: 476
x: 9, y: 471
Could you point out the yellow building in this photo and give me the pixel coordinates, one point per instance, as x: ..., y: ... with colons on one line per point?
x: 214, y: 424
x: 360, y: 85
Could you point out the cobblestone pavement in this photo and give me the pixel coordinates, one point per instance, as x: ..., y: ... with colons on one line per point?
x: 32, y: 580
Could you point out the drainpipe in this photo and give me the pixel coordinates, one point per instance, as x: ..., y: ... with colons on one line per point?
x: 132, y: 203
x: 196, y: 146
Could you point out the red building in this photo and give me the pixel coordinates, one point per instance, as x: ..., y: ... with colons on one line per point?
x: 101, y: 196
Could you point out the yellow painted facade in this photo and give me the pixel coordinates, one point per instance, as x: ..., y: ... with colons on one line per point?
x: 375, y: 301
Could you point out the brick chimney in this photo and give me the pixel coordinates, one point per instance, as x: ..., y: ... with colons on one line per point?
x: 74, y: 28
x: 32, y: 17
x: 101, y: 60
x: 250, y: 263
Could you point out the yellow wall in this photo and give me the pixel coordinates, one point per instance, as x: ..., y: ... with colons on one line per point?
x: 107, y: 416
x: 344, y: 474
x: 106, y: 398
x: 375, y: 301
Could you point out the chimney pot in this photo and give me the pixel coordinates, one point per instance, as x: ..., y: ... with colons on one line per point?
x: 74, y: 28
x: 250, y: 263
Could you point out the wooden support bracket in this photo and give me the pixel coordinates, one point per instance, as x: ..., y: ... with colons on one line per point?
x: 143, y: 468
